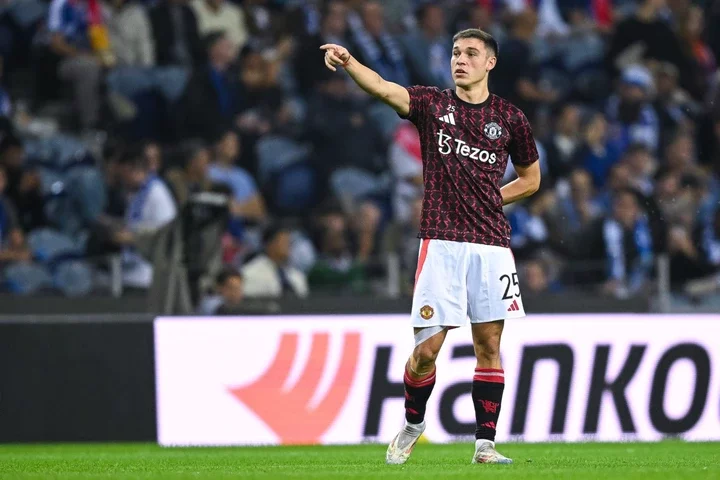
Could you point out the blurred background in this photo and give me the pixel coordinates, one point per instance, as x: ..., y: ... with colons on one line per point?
x: 178, y: 156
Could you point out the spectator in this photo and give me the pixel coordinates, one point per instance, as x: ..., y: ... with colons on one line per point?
x: 231, y: 291
x: 264, y: 109
x: 224, y: 17
x: 115, y: 201
x: 674, y: 106
x: 479, y: 15
x: 24, y: 188
x: 265, y: 26
x: 630, y: 112
x: 263, y: 105
x: 536, y: 279
x: 576, y: 210
x: 642, y: 165
x: 410, y: 243
x: 709, y: 243
x: 194, y: 176
x: 646, y: 36
x: 597, y: 154
x: 375, y: 47
x: 268, y: 274
x: 618, y: 179
x: 333, y: 30
x: 712, y: 142
x: 515, y: 76
x: 625, y: 245
x: 175, y: 34
x: 77, y: 63
x: 563, y: 145
x: 228, y: 297
x: 712, y: 14
x: 153, y: 154
x: 6, y: 109
x: 150, y: 207
x: 12, y: 240
x: 249, y: 204
x: 406, y: 164
x: 680, y: 154
x: 528, y: 222
x: 700, y: 55
x: 427, y: 49
x: 336, y: 267
x: 335, y: 124
x: 211, y: 100
x: 550, y: 21
x: 689, y: 258
x: 128, y: 25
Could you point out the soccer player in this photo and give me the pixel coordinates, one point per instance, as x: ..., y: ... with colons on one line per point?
x: 466, y: 271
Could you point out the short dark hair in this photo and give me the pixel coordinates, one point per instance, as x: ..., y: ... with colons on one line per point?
x: 133, y: 156
x: 490, y: 42
x: 635, y: 148
x: 226, y: 274
x: 273, y: 230
x: 212, y: 38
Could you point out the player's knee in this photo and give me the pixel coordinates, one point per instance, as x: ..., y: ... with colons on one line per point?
x: 488, y: 348
x: 424, y: 357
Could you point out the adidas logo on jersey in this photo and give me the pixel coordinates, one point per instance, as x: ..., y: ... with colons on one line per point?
x: 449, y: 118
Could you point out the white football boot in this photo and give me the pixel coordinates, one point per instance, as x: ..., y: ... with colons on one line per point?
x: 402, y: 445
x: 485, y: 453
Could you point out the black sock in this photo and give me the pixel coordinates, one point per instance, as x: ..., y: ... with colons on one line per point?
x: 417, y: 393
x: 487, y: 390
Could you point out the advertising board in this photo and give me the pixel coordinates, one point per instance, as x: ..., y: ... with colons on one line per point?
x: 337, y: 379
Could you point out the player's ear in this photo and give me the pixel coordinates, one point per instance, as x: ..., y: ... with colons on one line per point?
x: 491, y: 61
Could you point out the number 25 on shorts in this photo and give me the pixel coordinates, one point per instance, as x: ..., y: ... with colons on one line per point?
x: 512, y: 286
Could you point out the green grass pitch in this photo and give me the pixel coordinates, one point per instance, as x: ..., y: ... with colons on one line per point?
x: 628, y: 461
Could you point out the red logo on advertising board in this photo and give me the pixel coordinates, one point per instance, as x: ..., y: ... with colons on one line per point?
x: 288, y: 412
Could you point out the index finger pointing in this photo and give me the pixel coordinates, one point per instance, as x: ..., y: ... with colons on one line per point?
x: 328, y: 46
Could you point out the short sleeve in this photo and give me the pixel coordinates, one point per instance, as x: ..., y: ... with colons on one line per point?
x: 420, y: 98
x: 523, y: 150
x: 245, y: 187
x: 159, y: 208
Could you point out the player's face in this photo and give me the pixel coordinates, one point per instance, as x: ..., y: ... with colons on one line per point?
x: 470, y: 62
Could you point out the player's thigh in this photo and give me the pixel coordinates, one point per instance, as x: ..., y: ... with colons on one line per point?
x: 494, y: 287
x: 440, y: 296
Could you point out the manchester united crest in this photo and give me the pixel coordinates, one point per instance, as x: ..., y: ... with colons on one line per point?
x: 492, y: 130
x: 427, y: 312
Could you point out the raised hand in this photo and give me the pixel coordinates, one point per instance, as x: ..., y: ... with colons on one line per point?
x: 335, y: 55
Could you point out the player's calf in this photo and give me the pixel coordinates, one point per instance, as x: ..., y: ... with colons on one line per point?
x: 419, y: 381
x: 487, y: 391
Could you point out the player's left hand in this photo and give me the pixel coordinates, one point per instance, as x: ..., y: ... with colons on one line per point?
x: 335, y: 55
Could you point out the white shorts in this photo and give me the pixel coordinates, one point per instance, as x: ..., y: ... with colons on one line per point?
x: 458, y: 283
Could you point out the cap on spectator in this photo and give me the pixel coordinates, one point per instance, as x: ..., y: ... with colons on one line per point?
x: 637, y: 75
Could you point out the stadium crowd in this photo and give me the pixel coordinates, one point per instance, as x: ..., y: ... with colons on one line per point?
x: 116, y: 113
